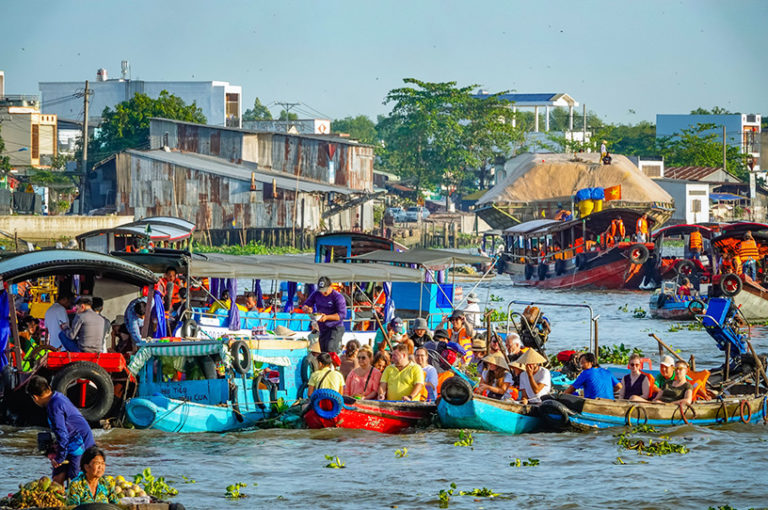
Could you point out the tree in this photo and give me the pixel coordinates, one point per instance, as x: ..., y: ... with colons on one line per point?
x: 286, y: 115
x: 437, y: 132
x: 258, y: 112
x: 716, y: 110
x: 127, y: 126
x: 360, y: 128
x: 702, y: 145
x: 5, y: 160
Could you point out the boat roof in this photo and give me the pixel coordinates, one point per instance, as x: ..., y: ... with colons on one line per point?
x: 41, y: 263
x: 295, y: 269
x: 529, y: 226
x: 685, y: 228
x: 742, y: 227
x: 423, y: 257
x: 157, y: 228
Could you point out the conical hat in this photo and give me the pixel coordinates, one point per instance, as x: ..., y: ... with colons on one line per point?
x: 531, y: 357
x: 497, y: 359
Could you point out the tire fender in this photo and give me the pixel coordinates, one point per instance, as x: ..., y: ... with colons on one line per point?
x: 730, y: 284
x: 96, y: 375
x: 241, y: 356
x: 326, y: 395
x: 638, y: 253
x: 455, y: 391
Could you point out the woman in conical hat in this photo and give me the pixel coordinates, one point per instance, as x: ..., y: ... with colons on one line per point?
x: 535, y: 381
x: 495, y: 380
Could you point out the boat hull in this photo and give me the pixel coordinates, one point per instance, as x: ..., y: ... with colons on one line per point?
x: 590, y: 414
x: 618, y: 274
x: 671, y: 309
x: 482, y: 413
x: 387, y: 417
x: 753, y: 302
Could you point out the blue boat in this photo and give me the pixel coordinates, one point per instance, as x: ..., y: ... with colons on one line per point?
x: 260, y: 377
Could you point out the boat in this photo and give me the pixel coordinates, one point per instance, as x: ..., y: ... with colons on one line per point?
x: 665, y: 303
x: 555, y: 254
x: 329, y: 409
x: 588, y: 414
x: 483, y: 413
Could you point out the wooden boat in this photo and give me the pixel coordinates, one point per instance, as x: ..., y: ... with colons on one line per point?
x: 664, y: 303
x: 483, y: 413
x: 589, y: 414
x: 329, y: 409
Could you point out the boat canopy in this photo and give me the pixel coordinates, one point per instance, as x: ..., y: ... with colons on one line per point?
x: 42, y: 263
x: 422, y: 257
x: 683, y: 229
x: 301, y: 269
x: 156, y: 228
x: 529, y: 226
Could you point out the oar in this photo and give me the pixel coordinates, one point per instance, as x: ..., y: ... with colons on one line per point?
x: 661, y: 342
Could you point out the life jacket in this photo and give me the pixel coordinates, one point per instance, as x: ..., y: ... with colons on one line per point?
x: 694, y: 241
x: 617, y: 228
x: 590, y: 245
x: 737, y: 264
x: 441, y: 379
x: 579, y: 245
x: 464, y: 341
x: 642, y: 226
x: 748, y: 250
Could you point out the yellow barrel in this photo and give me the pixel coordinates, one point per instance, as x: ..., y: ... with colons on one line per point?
x: 598, y: 206
x: 586, y: 207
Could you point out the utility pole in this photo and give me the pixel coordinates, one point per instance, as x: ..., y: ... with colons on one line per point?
x: 725, y: 151
x: 84, y: 165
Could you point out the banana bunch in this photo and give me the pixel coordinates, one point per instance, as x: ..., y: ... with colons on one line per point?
x: 42, y: 493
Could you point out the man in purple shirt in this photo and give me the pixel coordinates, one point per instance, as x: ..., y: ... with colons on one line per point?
x: 331, y: 308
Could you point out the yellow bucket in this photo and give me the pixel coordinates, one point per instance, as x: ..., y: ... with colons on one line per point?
x: 586, y: 207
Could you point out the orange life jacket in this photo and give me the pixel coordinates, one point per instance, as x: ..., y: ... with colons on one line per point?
x: 748, y: 250
x: 642, y: 226
x: 464, y: 341
x: 617, y: 228
x: 441, y: 379
x: 694, y: 242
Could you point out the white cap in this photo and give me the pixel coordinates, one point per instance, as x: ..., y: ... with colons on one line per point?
x: 667, y: 361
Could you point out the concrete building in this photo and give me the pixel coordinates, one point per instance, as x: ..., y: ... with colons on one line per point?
x: 547, y: 101
x: 294, y: 127
x: 741, y: 130
x: 220, y: 102
x: 691, y: 200
x: 651, y: 166
x: 29, y: 135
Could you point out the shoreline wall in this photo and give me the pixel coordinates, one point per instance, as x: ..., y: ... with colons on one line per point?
x: 44, y: 228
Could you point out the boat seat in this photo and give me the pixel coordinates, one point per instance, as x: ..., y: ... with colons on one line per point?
x: 699, y: 382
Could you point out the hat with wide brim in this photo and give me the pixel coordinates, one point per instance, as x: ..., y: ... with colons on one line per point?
x: 457, y: 314
x: 283, y: 331
x: 531, y: 357
x: 478, y: 344
x: 517, y: 365
x: 496, y: 358
x: 315, y: 347
x: 420, y: 323
x: 472, y: 298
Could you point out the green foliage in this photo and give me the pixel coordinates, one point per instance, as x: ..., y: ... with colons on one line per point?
x: 688, y: 326
x: 465, y: 439
x: 496, y: 299
x: 157, y: 488
x: 437, y: 132
x: 359, y: 128
x: 258, y: 112
x: 55, y: 180
x: 445, y: 495
x: 127, y: 126
x: 401, y: 453
x: 624, y: 308
x: 639, y: 312
x: 286, y: 115
x: 233, y: 491
x: 5, y: 160
x: 335, y: 462
x: 716, y: 110
x: 496, y: 315
x: 616, y: 354
x: 251, y: 248
x: 651, y: 448
x: 188, y: 480
x: 524, y: 463
x: 481, y: 493
x: 702, y: 145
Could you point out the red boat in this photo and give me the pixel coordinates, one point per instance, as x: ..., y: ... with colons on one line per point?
x: 385, y: 416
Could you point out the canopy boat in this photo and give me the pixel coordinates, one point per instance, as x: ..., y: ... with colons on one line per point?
x: 567, y: 255
x: 669, y: 266
x: 666, y: 303
x: 329, y: 409
x: 264, y: 375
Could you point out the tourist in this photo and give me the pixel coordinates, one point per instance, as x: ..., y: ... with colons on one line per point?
x: 514, y: 346
x: 695, y: 244
x: 403, y: 379
x: 680, y: 391
x: 641, y: 230
x: 326, y: 377
x: 430, y: 373
x: 363, y: 381
x: 666, y: 373
x: 385, y: 340
x: 349, y: 357
x: 635, y: 385
x: 494, y: 382
x: 251, y: 303
x: 88, y: 329
x: 420, y: 334
x: 472, y: 312
x: 56, y: 316
x: 90, y: 485
x: 535, y: 381
x: 440, y: 336
x: 749, y: 255
x: 459, y: 331
x: 479, y: 351
x: 331, y: 309
x: 381, y: 360
x: 72, y: 433
x: 596, y: 382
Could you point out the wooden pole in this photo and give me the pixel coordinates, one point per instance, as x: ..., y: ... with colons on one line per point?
x: 661, y: 343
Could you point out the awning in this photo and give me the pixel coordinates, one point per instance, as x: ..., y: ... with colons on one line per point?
x: 529, y: 226
x: 725, y: 196
x: 198, y: 348
x: 422, y: 257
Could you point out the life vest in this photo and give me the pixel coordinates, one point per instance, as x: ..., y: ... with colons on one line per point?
x: 579, y: 245
x: 694, y: 242
x: 441, y: 379
x: 642, y: 225
x: 737, y: 264
x: 162, y: 286
x: 590, y: 245
x: 748, y: 250
x: 464, y: 341
x: 617, y: 228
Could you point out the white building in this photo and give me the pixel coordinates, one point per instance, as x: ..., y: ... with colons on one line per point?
x: 691, y: 200
x: 220, y: 102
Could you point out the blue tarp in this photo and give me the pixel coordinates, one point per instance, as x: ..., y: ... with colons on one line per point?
x: 159, y: 309
x: 725, y: 196
x: 5, y: 327
x: 233, y: 317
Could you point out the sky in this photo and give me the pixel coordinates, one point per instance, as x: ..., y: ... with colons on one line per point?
x: 627, y: 61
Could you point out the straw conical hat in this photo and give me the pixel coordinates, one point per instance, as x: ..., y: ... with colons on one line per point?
x: 497, y: 359
x: 531, y: 357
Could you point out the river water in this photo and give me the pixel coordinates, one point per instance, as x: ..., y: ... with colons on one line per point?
x: 725, y: 465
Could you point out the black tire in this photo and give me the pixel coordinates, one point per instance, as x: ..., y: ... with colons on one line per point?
x: 697, y: 306
x: 529, y: 271
x: 556, y: 414
x: 271, y: 387
x: 189, y: 328
x: 559, y: 267
x: 542, y: 271
x: 100, y: 391
x: 730, y: 284
x: 638, y: 253
x: 456, y: 391
x: 241, y: 357
x: 685, y: 267
x: 581, y: 261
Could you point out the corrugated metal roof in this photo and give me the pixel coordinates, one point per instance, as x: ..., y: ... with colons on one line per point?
x: 690, y: 173
x: 239, y: 172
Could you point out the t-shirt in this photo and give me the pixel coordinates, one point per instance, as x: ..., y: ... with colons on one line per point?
x: 54, y: 317
x: 541, y: 377
x: 334, y: 381
x: 70, y: 428
x: 597, y: 383
x: 474, y: 315
x: 356, y: 384
x: 674, y: 393
x: 400, y: 383
x: 89, y: 329
x: 328, y: 305
x: 430, y: 377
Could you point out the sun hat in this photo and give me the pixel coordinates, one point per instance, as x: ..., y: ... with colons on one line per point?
x: 283, y: 331
x: 457, y: 314
x: 315, y: 347
x: 472, y: 298
x: 517, y: 365
x: 420, y: 323
x: 531, y: 357
x: 478, y: 344
x: 496, y: 358
x: 667, y: 361
x: 441, y: 333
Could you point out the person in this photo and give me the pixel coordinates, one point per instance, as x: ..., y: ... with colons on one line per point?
x: 596, y: 382
x: 168, y: 286
x: 56, y: 316
x: 666, y: 373
x: 363, y: 381
x: 749, y: 255
x: 535, y: 381
x: 403, y: 379
x: 635, y: 384
x: 72, y: 433
x: 332, y: 310
x: 680, y: 391
x: 420, y: 334
x: 440, y: 336
x: 27, y: 330
x: 494, y: 379
x: 695, y: 244
x: 90, y: 486
x: 349, y: 357
x: 224, y: 303
x: 472, y: 312
x: 381, y: 360
x: 134, y: 318
x: 514, y: 346
x: 459, y: 330
x: 686, y: 288
x: 251, y: 304
x: 325, y: 377
x: 603, y: 149
x: 121, y: 338
x: 430, y: 373
x: 98, y: 307
x: 88, y: 329
x: 617, y: 230
x: 479, y: 350
x: 562, y: 213
x: 641, y: 231
x: 384, y: 340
